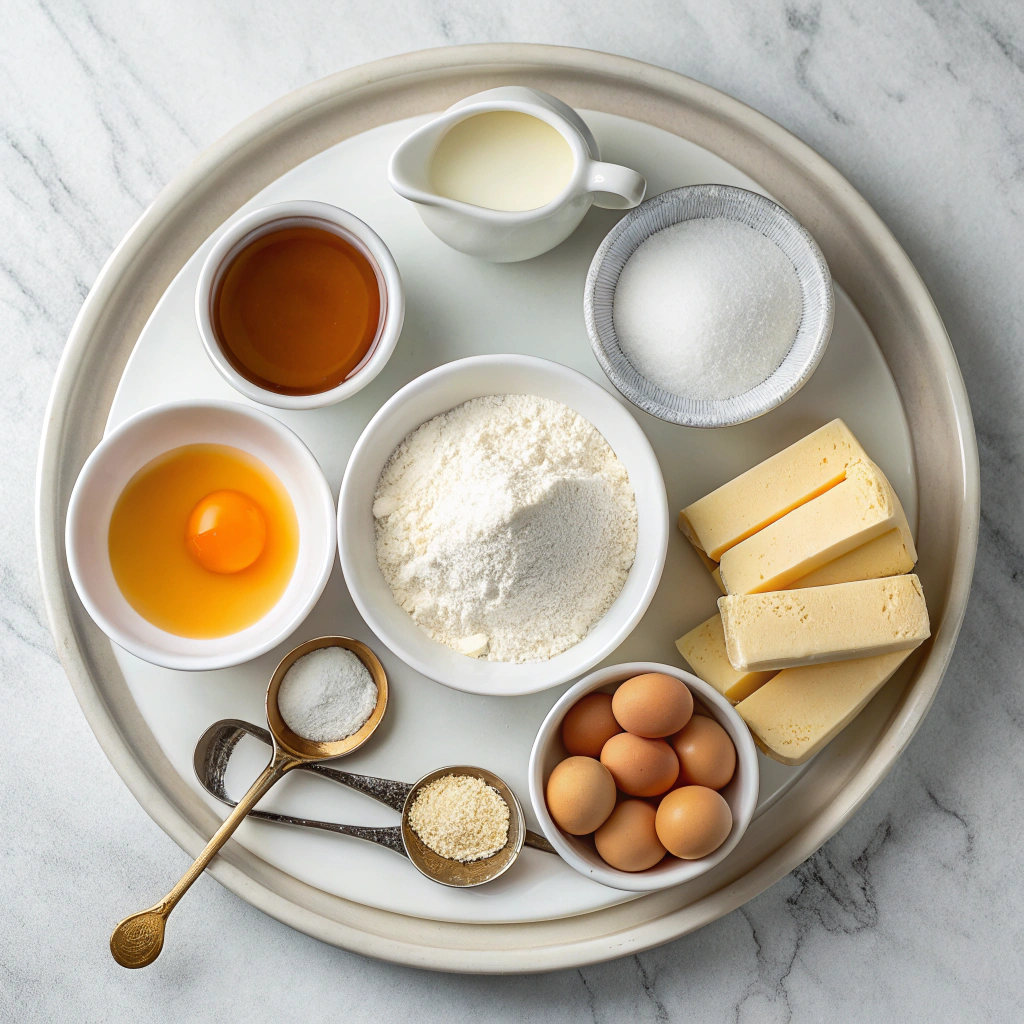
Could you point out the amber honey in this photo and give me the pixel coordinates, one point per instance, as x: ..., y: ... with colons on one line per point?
x: 203, y: 540
x: 297, y: 310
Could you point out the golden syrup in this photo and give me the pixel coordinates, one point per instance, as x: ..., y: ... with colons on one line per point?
x: 297, y: 310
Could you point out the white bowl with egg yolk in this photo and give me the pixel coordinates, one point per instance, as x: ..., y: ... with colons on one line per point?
x: 443, y: 389
x: 579, y: 851
x: 135, y: 443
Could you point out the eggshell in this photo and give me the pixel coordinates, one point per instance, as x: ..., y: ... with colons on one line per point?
x: 652, y: 705
x: 628, y: 840
x: 706, y: 754
x: 589, y: 724
x: 580, y: 795
x: 693, y: 821
x: 640, y: 766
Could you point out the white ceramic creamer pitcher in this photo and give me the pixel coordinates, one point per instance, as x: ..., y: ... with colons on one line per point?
x: 503, y: 236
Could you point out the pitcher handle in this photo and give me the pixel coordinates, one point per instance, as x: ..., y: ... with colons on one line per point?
x: 615, y: 187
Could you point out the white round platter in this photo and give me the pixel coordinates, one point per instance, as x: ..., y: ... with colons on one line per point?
x: 536, y: 308
x: 916, y: 423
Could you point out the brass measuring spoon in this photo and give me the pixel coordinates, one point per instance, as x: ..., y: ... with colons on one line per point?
x: 217, y: 744
x: 138, y: 939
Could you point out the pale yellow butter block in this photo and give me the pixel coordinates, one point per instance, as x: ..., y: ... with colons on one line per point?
x: 770, y: 490
x: 846, y: 516
x: 704, y: 651
x: 884, y: 556
x: 904, y: 527
x: 709, y: 563
x: 799, y: 710
x: 790, y: 628
x: 716, y: 575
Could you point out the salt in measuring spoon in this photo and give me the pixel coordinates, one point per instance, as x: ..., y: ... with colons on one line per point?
x: 138, y: 939
x: 216, y: 745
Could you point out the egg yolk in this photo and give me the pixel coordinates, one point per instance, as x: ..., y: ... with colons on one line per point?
x: 226, y: 531
x: 175, y: 583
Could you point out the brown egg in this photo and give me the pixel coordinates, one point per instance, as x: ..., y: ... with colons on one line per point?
x: 707, y: 756
x: 640, y: 767
x: 580, y: 795
x: 628, y: 840
x: 652, y: 705
x: 589, y: 724
x: 693, y: 821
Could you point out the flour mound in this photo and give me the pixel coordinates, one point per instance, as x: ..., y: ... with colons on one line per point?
x: 508, y: 516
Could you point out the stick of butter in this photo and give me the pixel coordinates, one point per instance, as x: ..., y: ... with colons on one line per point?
x: 704, y: 651
x: 884, y: 556
x: 711, y: 566
x: 709, y: 563
x: 789, y: 628
x: 716, y: 575
x: 904, y: 527
x: 753, y: 500
x: 892, y: 554
x: 853, y: 512
x: 799, y: 710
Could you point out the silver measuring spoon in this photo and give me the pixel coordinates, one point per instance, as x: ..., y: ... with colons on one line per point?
x: 217, y: 744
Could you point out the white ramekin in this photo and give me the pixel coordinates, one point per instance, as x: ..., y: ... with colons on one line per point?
x: 139, y: 440
x: 311, y: 214
x: 578, y: 851
x: 438, y: 391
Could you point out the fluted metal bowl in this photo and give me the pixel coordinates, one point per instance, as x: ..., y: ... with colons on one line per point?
x: 699, y: 202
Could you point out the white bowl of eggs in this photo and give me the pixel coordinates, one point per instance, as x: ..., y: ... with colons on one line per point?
x: 643, y: 777
x: 200, y: 534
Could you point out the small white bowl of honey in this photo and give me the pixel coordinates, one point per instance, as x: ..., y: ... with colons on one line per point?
x: 299, y: 305
x: 200, y: 534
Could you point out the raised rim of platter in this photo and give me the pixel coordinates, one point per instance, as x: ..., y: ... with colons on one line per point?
x: 865, y: 260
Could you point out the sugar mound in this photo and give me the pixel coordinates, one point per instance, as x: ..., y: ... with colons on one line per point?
x: 707, y: 309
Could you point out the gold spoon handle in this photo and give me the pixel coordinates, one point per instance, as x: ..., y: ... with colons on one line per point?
x: 138, y: 939
x: 271, y: 774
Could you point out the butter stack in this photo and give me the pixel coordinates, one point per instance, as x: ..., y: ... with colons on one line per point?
x: 812, y: 550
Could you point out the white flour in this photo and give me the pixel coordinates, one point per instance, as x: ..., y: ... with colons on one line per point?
x: 508, y: 517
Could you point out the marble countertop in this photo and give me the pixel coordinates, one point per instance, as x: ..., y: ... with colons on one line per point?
x: 913, y: 911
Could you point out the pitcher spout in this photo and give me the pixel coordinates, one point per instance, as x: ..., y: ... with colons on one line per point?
x: 409, y: 166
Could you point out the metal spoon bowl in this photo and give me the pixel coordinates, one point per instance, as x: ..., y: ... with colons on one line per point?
x: 138, y: 939
x: 308, y: 750
x: 218, y: 743
x: 464, y: 874
x: 216, y: 746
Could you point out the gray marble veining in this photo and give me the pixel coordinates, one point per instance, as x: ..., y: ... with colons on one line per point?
x: 913, y: 911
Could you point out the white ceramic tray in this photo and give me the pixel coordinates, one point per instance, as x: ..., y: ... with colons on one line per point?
x: 331, y: 142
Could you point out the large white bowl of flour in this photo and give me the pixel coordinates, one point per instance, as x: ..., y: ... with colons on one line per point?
x: 444, y: 389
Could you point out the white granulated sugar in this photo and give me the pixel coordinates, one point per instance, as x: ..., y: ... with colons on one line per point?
x: 506, y: 527
x: 707, y: 309
x: 327, y: 695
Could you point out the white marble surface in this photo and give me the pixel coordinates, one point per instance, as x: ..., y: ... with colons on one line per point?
x: 912, y: 912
